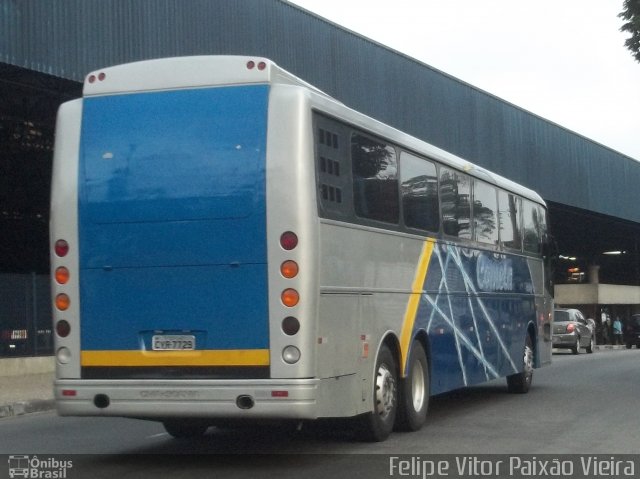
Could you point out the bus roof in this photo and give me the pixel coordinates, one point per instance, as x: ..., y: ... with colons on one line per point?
x: 187, y: 72
x: 203, y: 71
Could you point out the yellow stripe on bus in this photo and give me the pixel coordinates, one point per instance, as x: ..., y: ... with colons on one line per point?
x: 233, y: 357
x: 414, y: 302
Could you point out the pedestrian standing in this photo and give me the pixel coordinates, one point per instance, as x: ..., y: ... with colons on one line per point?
x: 617, y: 331
x: 605, y: 327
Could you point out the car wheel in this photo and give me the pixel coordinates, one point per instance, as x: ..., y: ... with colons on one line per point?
x: 376, y: 425
x: 414, y: 391
x: 628, y: 345
x: 520, y: 383
x: 592, y: 345
x: 576, y: 348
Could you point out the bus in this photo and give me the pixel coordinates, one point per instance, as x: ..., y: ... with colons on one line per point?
x: 229, y: 243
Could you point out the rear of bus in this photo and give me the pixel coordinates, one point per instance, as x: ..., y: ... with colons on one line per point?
x: 166, y: 259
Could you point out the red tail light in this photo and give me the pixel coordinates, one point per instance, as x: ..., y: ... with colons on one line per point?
x: 61, y: 248
x: 288, y: 240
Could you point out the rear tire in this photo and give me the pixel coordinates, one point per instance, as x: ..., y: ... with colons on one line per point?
x: 414, y: 391
x: 520, y: 383
x: 185, y: 428
x: 592, y: 345
x: 376, y: 425
x: 576, y: 348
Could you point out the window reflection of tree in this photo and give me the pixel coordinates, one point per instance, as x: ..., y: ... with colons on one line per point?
x: 375, y: 170
x: 485, y: 222
x: 485, y: 206
x: 372, y: 159
x: 531, y: 228
x: 509, y: 208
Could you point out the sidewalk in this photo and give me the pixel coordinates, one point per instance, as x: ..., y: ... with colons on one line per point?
x: 26, y: 394
x: 31, y: 393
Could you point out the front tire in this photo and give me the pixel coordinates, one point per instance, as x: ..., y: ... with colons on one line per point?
x: 414, y: 391
x: 592, y: 345
x: 520, y: 383
x: 376, y: 425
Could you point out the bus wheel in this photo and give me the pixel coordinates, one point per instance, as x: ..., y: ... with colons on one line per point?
x: 378, y: 424
x: 414, y: 391
x: 185, y: 428
x: 521, y: 382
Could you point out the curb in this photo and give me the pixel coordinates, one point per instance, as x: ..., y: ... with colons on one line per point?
x: 27, y: 407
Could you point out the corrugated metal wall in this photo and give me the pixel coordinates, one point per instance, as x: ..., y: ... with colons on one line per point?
x: 68, y: 38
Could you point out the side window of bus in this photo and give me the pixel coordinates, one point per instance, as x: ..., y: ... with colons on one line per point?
x: 509, y: 206
x: 332, y: 168
x: 375, y: 179
x: 531, y: 226
x: 419, y: 189
x: 485, y: 212
x: 455, y: 193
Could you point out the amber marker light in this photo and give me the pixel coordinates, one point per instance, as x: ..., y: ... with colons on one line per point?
x: 289, y: 269
x: 63, y: 302
x: 62, y: 275
x: 290, y: 297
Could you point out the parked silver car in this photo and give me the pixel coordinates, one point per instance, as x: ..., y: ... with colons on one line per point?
x: 571, y: 330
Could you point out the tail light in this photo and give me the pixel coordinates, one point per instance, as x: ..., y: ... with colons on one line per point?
x: 61, y: 248
x: 62, y: 275
x: 289, y: 269
x: 288, y: 240
x: 63, y: 302
x: 290, y: 297
x: 63, y: 328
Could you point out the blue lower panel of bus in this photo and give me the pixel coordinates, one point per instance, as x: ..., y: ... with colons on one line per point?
x: 172, y: 226
x: 476, y: 311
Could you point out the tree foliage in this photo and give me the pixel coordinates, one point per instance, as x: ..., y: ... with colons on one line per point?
x: 631, y: 16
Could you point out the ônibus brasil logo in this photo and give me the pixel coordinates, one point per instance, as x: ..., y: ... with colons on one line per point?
x: 37, y: 468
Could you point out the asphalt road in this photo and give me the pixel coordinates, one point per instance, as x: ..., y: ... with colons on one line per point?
x: 586, y: 404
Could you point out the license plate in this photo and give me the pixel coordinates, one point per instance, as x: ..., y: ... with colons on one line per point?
x: 171, y: 342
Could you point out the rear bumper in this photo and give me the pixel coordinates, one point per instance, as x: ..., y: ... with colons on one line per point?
x: 157, y: 399
x: 564, y: 340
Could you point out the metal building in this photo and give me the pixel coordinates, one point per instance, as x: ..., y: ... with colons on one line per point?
x: 47, y: 47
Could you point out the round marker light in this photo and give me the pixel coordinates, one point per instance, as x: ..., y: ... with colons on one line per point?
x: 288, y: 240
x: 63, y: 302
x: 290, y: 297
x: 290, y: 326
x: 63, y: 328
x: 92, y: 78
x: 102, y: 76
x: 262, y: 66
x: 61, y: 248
x: 289, y: 269
x: 251, y: 64
x: 291, y: 355
x: 62, y: 275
